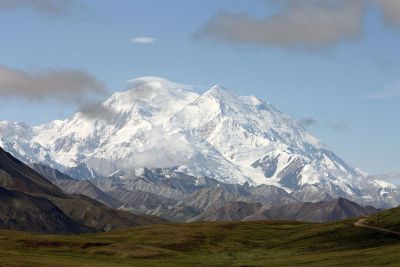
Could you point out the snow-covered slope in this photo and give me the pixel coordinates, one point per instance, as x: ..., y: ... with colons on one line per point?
x: 160, y: 124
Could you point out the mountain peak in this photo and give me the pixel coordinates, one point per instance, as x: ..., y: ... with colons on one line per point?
x: 218, y: 91
x: 154, y: 93
x: 222, y: 98
x: 217, y: 88
x: 146, y: 89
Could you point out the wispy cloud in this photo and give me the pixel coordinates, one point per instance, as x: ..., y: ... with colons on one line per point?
x: 63, y: 85
x: 386, y: 176
x: 307, y: 122
x: 143, y: 40
x: 304, y: 24
x: 311, y: 121
x: 338, y: 125
x: 390, y: 91
x: 97, y: 111
x: 66, y: 86
x: 391, y: 11
x: 45, y: 7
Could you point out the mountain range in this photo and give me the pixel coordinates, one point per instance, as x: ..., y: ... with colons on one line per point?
x: 185, y: 199
x: 337, y: 209
x: 162, y: 141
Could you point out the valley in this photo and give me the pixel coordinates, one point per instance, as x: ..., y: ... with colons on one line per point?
x: 241, y: 133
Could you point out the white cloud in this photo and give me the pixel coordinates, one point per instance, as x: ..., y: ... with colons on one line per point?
x: 160, y: 150
x: 143, y: 40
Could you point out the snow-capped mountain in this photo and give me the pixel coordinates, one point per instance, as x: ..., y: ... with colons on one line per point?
x: 161, y: 124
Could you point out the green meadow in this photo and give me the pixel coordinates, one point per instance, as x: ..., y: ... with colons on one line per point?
x: 207, y: 244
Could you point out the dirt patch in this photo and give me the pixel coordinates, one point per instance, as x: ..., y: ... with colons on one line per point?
x: 44, y: 243
x: 94, y: 244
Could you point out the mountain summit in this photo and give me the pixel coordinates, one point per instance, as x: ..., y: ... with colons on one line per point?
x: 161, y: 124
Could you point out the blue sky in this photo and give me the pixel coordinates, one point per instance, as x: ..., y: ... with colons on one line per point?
x: 346, y: 90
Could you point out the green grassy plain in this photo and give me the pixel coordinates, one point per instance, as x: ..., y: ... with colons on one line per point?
x: 207, y: 244
x: 389, y: 219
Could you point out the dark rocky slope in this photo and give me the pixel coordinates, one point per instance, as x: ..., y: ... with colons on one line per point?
x: 28, y: 186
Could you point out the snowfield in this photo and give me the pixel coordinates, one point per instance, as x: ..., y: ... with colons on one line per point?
x: 161, y: 124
